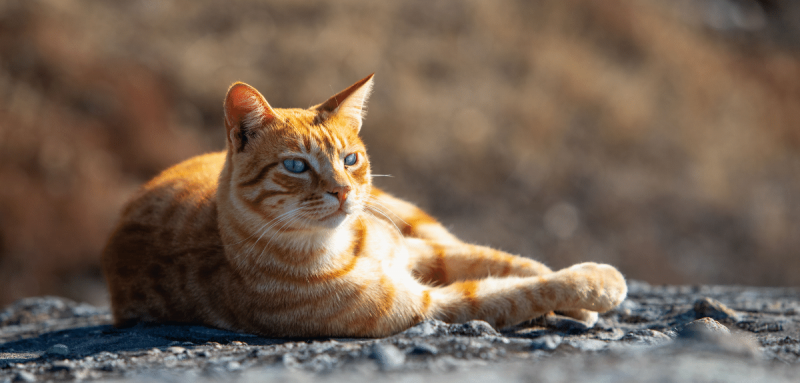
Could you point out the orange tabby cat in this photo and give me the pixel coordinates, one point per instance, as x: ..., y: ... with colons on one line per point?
x: 284, y: 235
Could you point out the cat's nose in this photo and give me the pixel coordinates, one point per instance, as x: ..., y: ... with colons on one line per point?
x: 340, y: 192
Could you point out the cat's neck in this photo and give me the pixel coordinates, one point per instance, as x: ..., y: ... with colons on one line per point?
x: 296, y: 251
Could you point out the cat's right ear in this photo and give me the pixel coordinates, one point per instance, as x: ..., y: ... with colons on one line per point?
x: 246, y: 111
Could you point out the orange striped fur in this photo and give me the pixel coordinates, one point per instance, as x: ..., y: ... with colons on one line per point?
x: 236, y: 240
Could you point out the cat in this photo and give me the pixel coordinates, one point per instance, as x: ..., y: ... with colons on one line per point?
x: 283, y: 235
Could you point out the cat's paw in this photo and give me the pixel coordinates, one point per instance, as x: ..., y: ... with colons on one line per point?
x: 599, y: 287
x: 589, y: 318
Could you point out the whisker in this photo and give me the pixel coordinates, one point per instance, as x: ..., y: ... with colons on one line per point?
x: 381, y: 175
x: 272, y: 223
x: 290, y: 220
x: 252, y: 235
x: 262, y: 227
x: 374, y: 208
x: 375, y: 201
x: 269, y: 241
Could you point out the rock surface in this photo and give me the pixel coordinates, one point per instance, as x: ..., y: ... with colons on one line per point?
x: 669, y: 333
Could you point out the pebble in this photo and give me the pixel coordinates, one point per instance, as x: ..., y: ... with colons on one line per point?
x: 176, y: 350
x: 646, y: 337
x: 564, y: 323
x: 702, y: 327
x: 423, y: 349
x: 473, y: 328
x: 387, y: 356
x: 58, y: 349
x: 170, y: 361
x: 62, y: 365
x: 712, y: 308
x: 426, y: 329
x: 589, y: 344
x: 321, y: 363
x: 24, y: 376
x: 547, y: 342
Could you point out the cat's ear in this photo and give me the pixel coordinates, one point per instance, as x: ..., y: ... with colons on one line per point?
x: 349, y: 104
x: 246, y: 111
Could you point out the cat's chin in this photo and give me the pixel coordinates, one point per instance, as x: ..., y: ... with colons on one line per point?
x: 333, y: 220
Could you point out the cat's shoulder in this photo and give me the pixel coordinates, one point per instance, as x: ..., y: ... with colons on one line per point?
x: 193, y: 180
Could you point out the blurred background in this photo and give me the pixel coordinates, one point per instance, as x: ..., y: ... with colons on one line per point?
x: 662, y: 137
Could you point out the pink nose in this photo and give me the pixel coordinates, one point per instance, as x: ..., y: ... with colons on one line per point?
x: 340, y: 192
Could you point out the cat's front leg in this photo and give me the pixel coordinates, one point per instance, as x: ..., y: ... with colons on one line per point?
x: 580, y: 289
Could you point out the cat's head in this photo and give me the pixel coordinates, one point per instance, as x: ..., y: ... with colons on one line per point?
x: 296, y: 169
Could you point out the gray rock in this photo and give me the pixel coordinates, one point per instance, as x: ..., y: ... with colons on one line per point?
x: 702, y: 328
x: 588, y: 344
x: 24, y: 376
x: 62, y: 365
x: 423, y: 349
x: 58, y: 349
x: 323, y: 363
x: 761, y: 326
x: 712, y: 308
x: 473, y: 328
x: 176, y: 350
x: 547, y: 342
x: 564, y: 323
x: 169, y: 361
x: 427, y: 328
x: 646, y: 337
x: 387, y: 356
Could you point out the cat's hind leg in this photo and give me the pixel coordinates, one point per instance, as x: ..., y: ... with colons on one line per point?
x: 439, y: 258
x: 410, y: 220
x: 438, y: 263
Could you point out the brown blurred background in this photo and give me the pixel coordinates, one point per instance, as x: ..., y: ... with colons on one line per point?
x: 659, y: 136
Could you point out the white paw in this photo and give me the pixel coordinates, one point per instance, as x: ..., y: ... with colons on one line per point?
x: 602, y: 286
x: 589, y: 318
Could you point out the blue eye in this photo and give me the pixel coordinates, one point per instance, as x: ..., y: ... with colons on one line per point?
x: 351, y: 159
x: 294, y: 166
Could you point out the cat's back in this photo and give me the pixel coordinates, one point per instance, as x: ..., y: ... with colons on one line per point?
x: 178, y: 198
x: 166, y: 240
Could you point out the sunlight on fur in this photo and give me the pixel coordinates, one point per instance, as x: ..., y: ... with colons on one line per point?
x: 283, y: 234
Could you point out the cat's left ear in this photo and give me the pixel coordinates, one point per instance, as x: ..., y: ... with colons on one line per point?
x: 349, y: 104
x: 246, y: 112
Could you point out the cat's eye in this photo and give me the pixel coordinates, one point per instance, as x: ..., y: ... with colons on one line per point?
x: 351, y: 159
x: 294, y: 165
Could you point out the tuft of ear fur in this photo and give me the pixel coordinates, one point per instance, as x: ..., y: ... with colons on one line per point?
x: 246, y: 111
x: 349, y: 104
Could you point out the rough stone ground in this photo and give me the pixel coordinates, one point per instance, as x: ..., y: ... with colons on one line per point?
x: 664, y: 333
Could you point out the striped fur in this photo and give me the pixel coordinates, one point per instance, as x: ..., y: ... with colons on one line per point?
x: 235, y: 240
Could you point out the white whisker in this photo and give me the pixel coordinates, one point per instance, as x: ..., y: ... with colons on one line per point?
x: 252, y: 235
x: 375, y: 201
x: 375, y: 209
x: 290, y: 220
x: 272, y: 223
